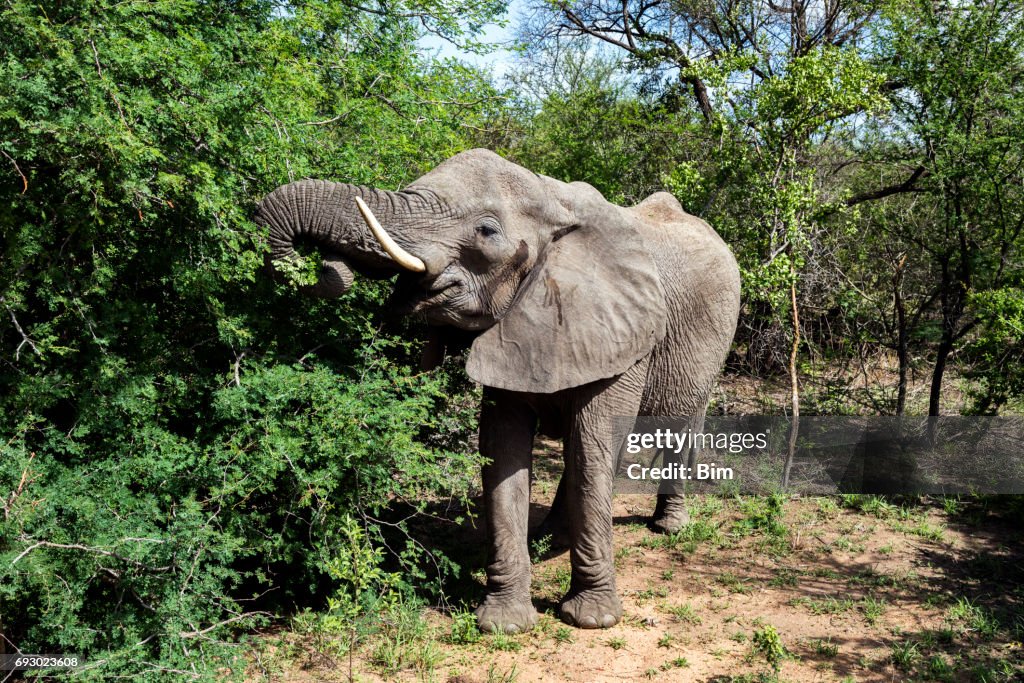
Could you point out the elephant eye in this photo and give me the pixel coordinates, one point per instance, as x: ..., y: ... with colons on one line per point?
x: 486, y: 230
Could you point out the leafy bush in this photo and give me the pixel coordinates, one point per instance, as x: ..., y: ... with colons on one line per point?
x: 184, y: 445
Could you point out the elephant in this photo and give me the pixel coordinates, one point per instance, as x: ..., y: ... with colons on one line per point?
x: 579, y: 311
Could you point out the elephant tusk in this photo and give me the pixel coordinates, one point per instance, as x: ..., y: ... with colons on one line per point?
x: 400, y: 256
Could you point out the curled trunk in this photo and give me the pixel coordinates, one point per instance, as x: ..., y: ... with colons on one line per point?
x: 324, y: 214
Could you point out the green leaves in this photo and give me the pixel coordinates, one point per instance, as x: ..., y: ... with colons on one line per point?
x: 155, y: 383
x: 817, y: 89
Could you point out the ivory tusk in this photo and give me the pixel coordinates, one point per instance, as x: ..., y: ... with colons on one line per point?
x: 400, y: 256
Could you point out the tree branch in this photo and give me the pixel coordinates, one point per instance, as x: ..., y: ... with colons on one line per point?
x: 906, y: 186
x: 25, y: 339
x: 24, y: 180
x: 238, y: 617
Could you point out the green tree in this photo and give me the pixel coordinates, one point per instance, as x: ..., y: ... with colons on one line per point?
x: 961, y: 118
x: 580, y: 119
x: 772, y: 89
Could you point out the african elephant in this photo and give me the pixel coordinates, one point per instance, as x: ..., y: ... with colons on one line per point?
x: 581, y: 311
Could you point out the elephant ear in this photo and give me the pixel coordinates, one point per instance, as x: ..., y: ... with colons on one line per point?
x: 591, y: 308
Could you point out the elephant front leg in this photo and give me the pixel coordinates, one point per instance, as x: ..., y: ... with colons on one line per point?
x: 591, y: 455
x: 507, y: 427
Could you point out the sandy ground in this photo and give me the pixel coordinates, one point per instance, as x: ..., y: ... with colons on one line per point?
x: 875, y: 591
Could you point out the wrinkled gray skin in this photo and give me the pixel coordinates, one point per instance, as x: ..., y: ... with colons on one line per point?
x: 583, y: 311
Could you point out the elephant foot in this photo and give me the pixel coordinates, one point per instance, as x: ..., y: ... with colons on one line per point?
x: 670, y: 515
x: 592, y: 609
x: 501, y: 616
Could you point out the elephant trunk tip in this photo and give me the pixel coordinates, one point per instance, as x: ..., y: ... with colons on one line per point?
x: 285, y: 212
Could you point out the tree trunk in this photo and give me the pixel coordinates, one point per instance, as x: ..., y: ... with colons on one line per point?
x: 902, y: 353
x: 793, y: 379
x: 945, y: 348
x: 794, y: 427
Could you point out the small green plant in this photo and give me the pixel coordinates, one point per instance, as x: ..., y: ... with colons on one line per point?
x: 767, y: 643
x: 733, y: 583
x: 938, y: 668
x: 616, y: 643
x: 869, y: 504
x: 464, y: 628
x: 684, y: 613
x: 495, y: 675
x: 827, y: 507
x: 677, y: 663
x: 563, y: 635
x: 972, y: 618
x: 364, y: 595
x: 668, y: 574
x: 825, y: 648
x: 904, y: 655
x: 872, y: 608
x: 826, y: 606
x: 652, y: 592
x: 951, y: 505
x: 997, y: 672
x: 539, y: 547
x: 665, y: 640
x: 785, y: 578
x: 502, y: 642
x: 563, y: 579
x: 765, y: 516
x: 322, y: 630
x: 692, y: 535
x: 923, y: 529
x: 404, y: 641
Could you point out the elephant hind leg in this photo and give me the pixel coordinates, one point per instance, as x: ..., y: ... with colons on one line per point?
x: 555, y: 525
x: 671, y: 512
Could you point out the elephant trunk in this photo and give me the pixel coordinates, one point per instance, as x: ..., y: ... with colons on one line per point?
x: 325, y: 215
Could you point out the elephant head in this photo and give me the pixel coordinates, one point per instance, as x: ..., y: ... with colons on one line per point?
x: 555, y: 281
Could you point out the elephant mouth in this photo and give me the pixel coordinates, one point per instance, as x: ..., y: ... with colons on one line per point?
x: 446, y: 302
x: 412, y: 296
x: 442, y: 302
x: 437, y: 295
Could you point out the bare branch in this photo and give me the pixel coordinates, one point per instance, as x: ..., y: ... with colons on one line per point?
x: 239, y: 617
x: 98, y: 551
x: 25, y: 339
x: 24, y: 180
x: 906, y: 186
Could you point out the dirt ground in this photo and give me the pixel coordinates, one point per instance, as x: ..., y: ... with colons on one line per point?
x: 854, y: 588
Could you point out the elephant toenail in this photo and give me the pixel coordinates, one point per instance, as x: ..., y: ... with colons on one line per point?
x: 588, y: 622
x: 608, y: 621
